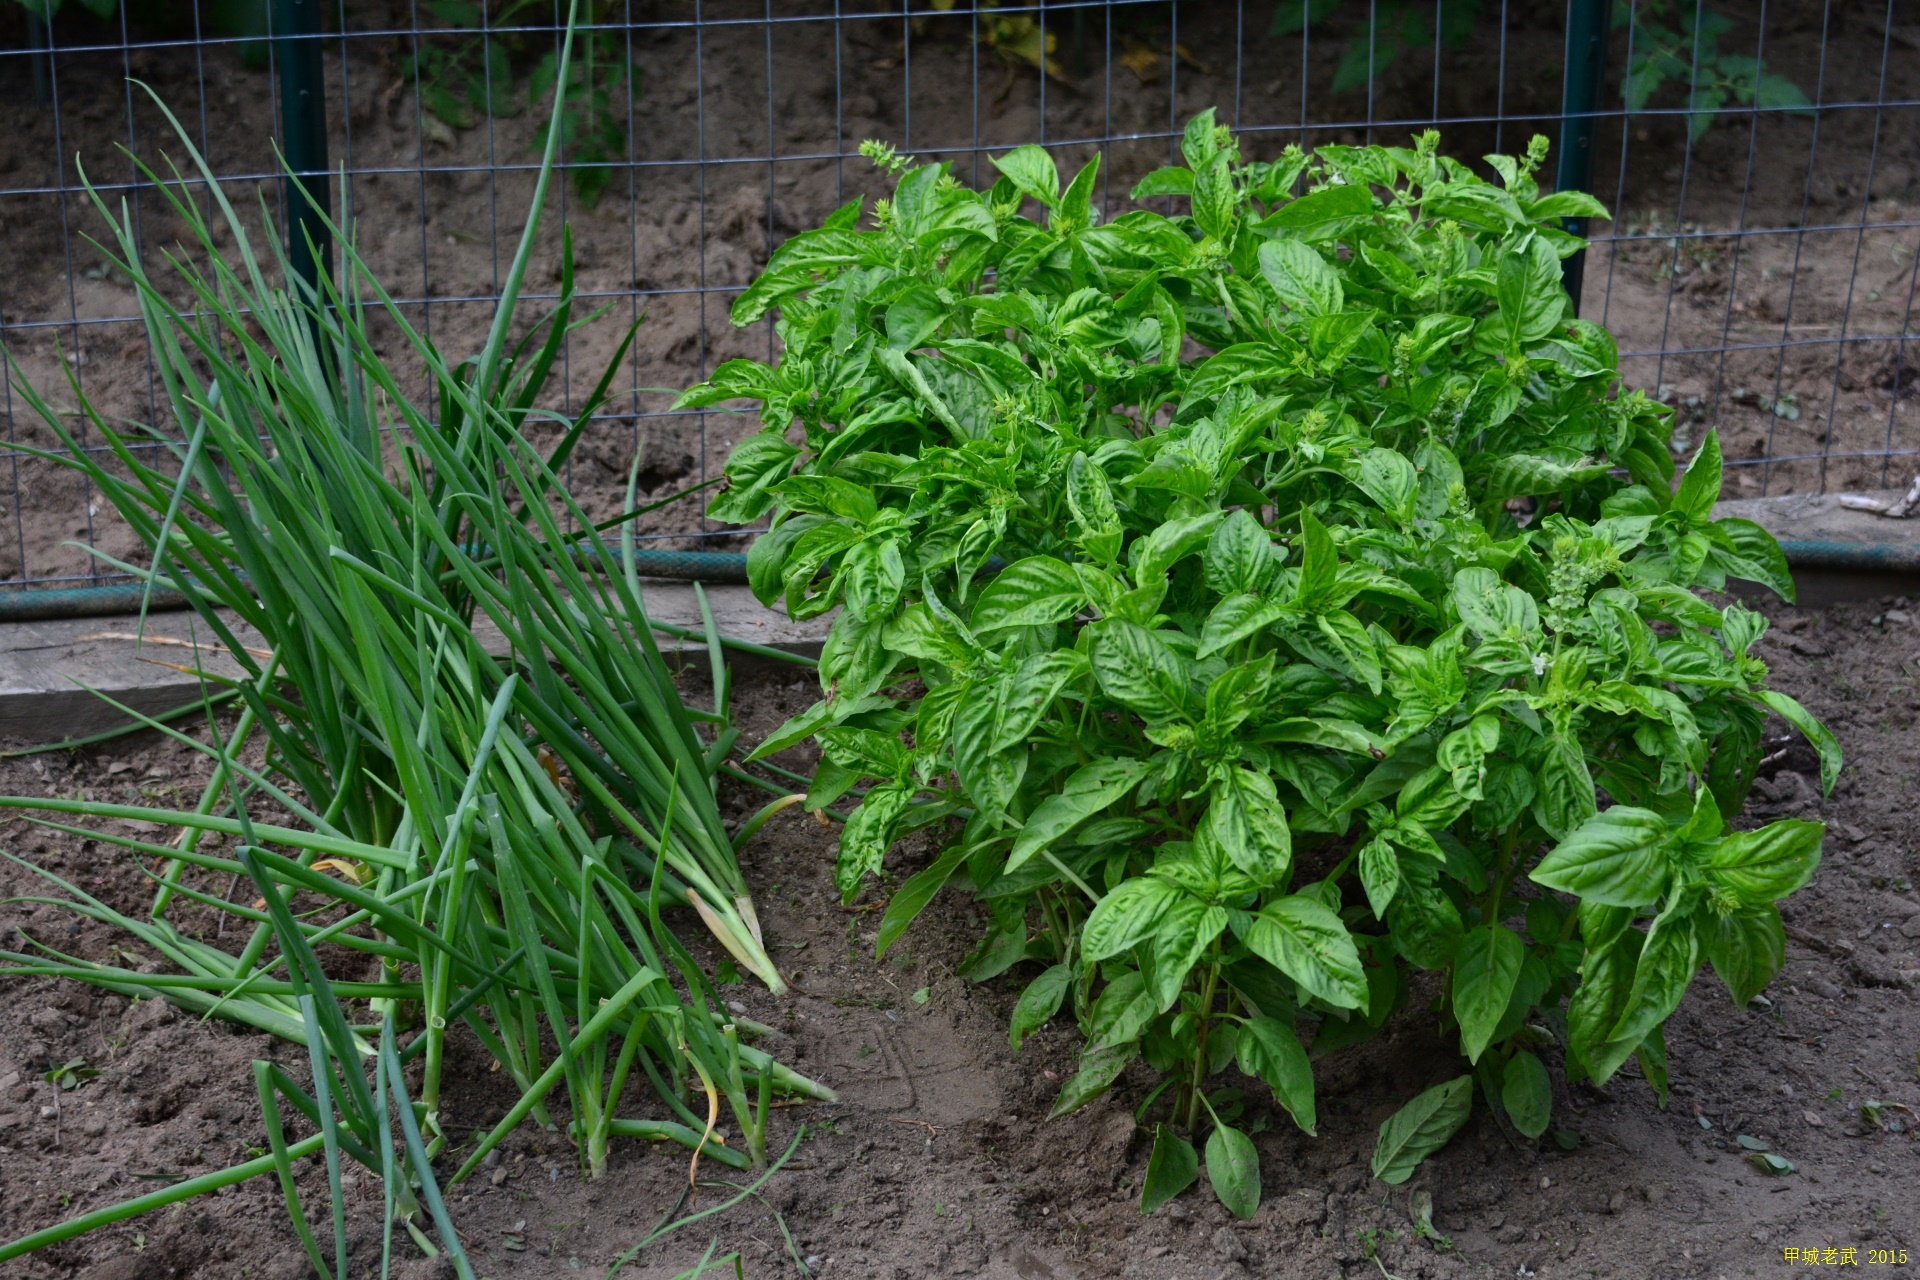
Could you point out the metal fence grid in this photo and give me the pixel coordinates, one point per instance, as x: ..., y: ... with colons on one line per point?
x: 1760, y: 273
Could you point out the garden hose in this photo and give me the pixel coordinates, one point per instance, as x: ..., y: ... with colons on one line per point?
x: 121, y: 598
x: 116, y: 599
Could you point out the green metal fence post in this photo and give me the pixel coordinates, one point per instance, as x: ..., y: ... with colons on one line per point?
x: 298, y: 27
x: 39, y: 39
x: 1584, y: 81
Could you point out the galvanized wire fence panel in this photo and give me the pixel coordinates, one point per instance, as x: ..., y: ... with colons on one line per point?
x: 1759, y: 272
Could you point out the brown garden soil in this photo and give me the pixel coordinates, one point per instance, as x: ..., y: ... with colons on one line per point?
x: 1789, y: 234
x: 938, y: 1159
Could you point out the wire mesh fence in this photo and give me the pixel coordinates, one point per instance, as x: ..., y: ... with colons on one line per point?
x: 1760, y: 158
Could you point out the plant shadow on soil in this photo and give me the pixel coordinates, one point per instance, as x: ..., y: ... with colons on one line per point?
x: 939, y: 1161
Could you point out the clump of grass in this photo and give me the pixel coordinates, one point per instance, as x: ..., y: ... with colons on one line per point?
x: 500, y: 831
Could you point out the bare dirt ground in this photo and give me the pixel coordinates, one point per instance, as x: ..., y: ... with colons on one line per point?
x: 1742, y: 270
x: 938, y: 1160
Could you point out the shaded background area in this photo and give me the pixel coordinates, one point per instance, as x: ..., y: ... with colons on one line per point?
x: 1759, y: 272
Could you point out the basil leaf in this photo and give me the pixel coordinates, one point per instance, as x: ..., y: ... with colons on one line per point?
x: 1527, y: 1094
x: 1122, y: 1012
x: 1748, y: 949
x: 1700, y: 487
x: 1301, y: 277
x: 1484, y: 972
x: 1171, y: 1169
x: 1823, y: 742
x: 1126, y: 916
x: 1039, y: 1002
x: 1099, y: 1068
x: 1032, y: 172
x: 1613, y: 858
x: 1761, y: 867
x: 1090, y: 790
x: 867, y: 834
x: 1304, y: 940
x: 912, y: 897
x: 1420, y: 1128
x: 1033, y: 592
x: 1233, y: 1171
x: 1245, y: 823
x: 1268, y: 1049
x: 1667, y: 961
x: 1137, y: 669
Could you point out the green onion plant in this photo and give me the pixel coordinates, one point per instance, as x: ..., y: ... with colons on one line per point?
x: 500, y: 824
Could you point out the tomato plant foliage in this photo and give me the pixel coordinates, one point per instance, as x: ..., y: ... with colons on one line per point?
x: 1183, y: 579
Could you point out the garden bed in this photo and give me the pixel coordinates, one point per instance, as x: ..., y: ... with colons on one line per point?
x: 938, y: 1160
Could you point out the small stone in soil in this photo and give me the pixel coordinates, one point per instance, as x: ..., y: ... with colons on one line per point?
x: 1228, y: 1245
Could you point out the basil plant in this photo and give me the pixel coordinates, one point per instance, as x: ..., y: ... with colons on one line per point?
x: 1283, y: 614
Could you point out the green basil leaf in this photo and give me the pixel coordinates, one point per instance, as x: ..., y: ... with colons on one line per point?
x: 1755, y: 556
x: 756, y: 465
x: 1301, y: 277
x: 1172, y: 542
x: 1233, y: 1170
x: 1240, y: 556
x: 1304, y: 940
x: 1127, y: 916
x: 1386, y: 476
x: 767, y: 557
x: 1090, y: 790
x: 1359, y: 656
x: 1491, y: 607
x: 1236, y: 618
x: 1420, y: 1128
x: 1268, y: 1049
x: 1039, y: 1002
x: 1171, y: 1169
x: 1322, y: 215
x: 1761, y: 867
x: 1173, y: 180
x: 1700, y: 487
x: 990, y: 776
x: 1033, y: 592
x: 1099, y: 1068
x: 1613, y: 858
x: 1179, y: 940
x: 734, y: 380
x: 1122, y: 1012
x: 1484, y: 972
x: 1566, y: 798
x: 1137, y: 669
x: 1426, y: 925
x: 1527, y: 1094
x: 868, y: 833
x: 912, y: 897
x: 1606, y: 980
x: 1076, y: 203
x: 1822, y: 740
x: 1379, y: 875
x: 1090, y: 498
x: 1668, y: 959
x: 1214, y: 199
x: 1527, y: 475
x: 1035, y: 684
x: 1565, y: 204
x: 1245, y: 823
x: 1032, y: 172
x: 1748, y: 948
